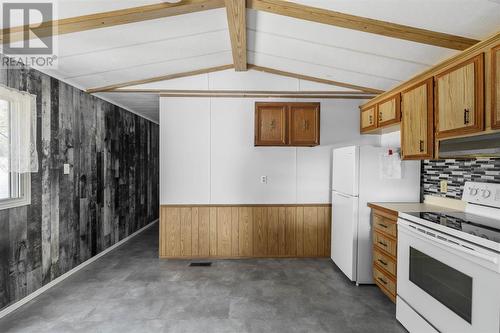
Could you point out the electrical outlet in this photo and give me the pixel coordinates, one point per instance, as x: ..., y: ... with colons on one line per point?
x: 444, y: 186
x: 263, y: 179
x: 66, y: 169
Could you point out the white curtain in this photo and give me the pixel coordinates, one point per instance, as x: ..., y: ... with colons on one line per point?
x: 23, y: 153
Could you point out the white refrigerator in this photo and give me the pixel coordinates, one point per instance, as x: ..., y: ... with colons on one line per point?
x: 357, y: 180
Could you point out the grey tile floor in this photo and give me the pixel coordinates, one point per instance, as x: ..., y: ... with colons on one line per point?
x: 131, y: 290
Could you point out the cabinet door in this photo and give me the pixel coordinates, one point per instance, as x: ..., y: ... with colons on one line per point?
x: 368, y: 120
x: 304, y: 121
x: 495, y: 87
x: 417, y: 121
x: 270, y: 124
x: 389, y: 111
x: 459, y: 99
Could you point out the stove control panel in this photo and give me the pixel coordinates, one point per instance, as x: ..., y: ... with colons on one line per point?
x: 486, y: 194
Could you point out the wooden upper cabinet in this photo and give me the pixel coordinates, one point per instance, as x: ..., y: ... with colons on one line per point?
x: 287, y: 124
x: 271, y: 124
x: 388, y: 111
x: 460, y: 99
x: 495, y: 87
x: 417, y: 128
x: 368, y: 119
x: 304, y: 124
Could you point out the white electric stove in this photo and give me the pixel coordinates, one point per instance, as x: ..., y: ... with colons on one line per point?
x: 449, y: 266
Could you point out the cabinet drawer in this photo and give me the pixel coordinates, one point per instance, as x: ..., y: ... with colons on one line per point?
x: 384, y: 261
x: 384, y: 225
x: 384, y: 281
x: 385, y: 243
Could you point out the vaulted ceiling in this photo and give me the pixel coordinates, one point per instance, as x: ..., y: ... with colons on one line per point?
x: 281, y: 39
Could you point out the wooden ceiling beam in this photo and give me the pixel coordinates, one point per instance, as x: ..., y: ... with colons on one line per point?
x: 236, y: 20
x: 364, y: 24
x: 260, y: 94
x: 229, y: 91
x: 116, y: 86
x: 112, y: 18
x: 315, y: 79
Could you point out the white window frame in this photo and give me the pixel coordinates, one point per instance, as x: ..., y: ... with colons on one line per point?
x: 25, y: 197
x: 23, y: 182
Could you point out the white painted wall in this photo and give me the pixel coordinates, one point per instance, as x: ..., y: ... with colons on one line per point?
x: 207, y: 153
x: 392, y: 139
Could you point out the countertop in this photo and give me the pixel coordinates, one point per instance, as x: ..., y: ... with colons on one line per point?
x: 397, y: 207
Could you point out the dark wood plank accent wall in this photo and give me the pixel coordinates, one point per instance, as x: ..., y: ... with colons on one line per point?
x: 241, y: 231
x: 111, y: 191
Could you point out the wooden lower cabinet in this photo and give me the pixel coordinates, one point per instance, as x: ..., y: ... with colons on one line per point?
x: 245, y: 231
x: 385, y: 253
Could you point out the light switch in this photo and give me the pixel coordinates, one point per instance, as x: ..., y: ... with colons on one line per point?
x: 66, y: 169
x: 263, y: 179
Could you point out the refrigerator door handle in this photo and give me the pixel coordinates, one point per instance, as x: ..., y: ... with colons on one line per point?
x: 343, y: 195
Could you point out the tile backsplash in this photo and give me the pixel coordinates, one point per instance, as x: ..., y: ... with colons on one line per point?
x: 457, y: 172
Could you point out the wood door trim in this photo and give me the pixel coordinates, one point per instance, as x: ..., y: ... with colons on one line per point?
x: 478, y: 61
x: 317, y: 107
x: 495, y: 121
x: 284, y: 132
x: 375, y: 120
x: 398, y: 111
x: 430, y: 120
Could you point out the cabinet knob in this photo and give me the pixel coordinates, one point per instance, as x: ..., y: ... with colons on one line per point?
x: 380, y: 117
x: 421, y: 146
x: 370, y: 119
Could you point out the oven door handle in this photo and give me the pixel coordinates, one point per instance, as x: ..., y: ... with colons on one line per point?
x: 454, y: 245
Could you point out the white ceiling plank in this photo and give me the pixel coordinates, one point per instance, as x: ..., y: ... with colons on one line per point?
x: 328, y: 73
x: 153, y: 70
x: 345, y: 39
x: 159, y: 52
x: 315, y: 86
x: 331, y: 57
x: 251, y: 80
x: 88, y: 42
x: 195, y: 82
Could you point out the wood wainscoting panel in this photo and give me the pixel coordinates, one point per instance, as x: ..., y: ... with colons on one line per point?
x: 245, y: 231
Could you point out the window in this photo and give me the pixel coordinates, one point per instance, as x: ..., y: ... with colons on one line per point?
x: 15, y: 147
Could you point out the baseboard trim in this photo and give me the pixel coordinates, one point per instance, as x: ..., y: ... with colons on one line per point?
x: 61, y: 278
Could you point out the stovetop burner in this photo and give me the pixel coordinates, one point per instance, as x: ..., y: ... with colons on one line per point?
x: 476, y: 225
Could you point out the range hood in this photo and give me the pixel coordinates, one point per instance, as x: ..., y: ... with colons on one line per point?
x: 487, y: 145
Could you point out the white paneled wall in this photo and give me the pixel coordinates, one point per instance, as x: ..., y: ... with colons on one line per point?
x: 185, y: 151
x: 207, y: 154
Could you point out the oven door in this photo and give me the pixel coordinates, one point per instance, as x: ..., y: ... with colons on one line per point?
x: 452, y: 287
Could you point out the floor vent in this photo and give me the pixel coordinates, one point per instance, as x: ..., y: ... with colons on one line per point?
x: 200, y: 264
